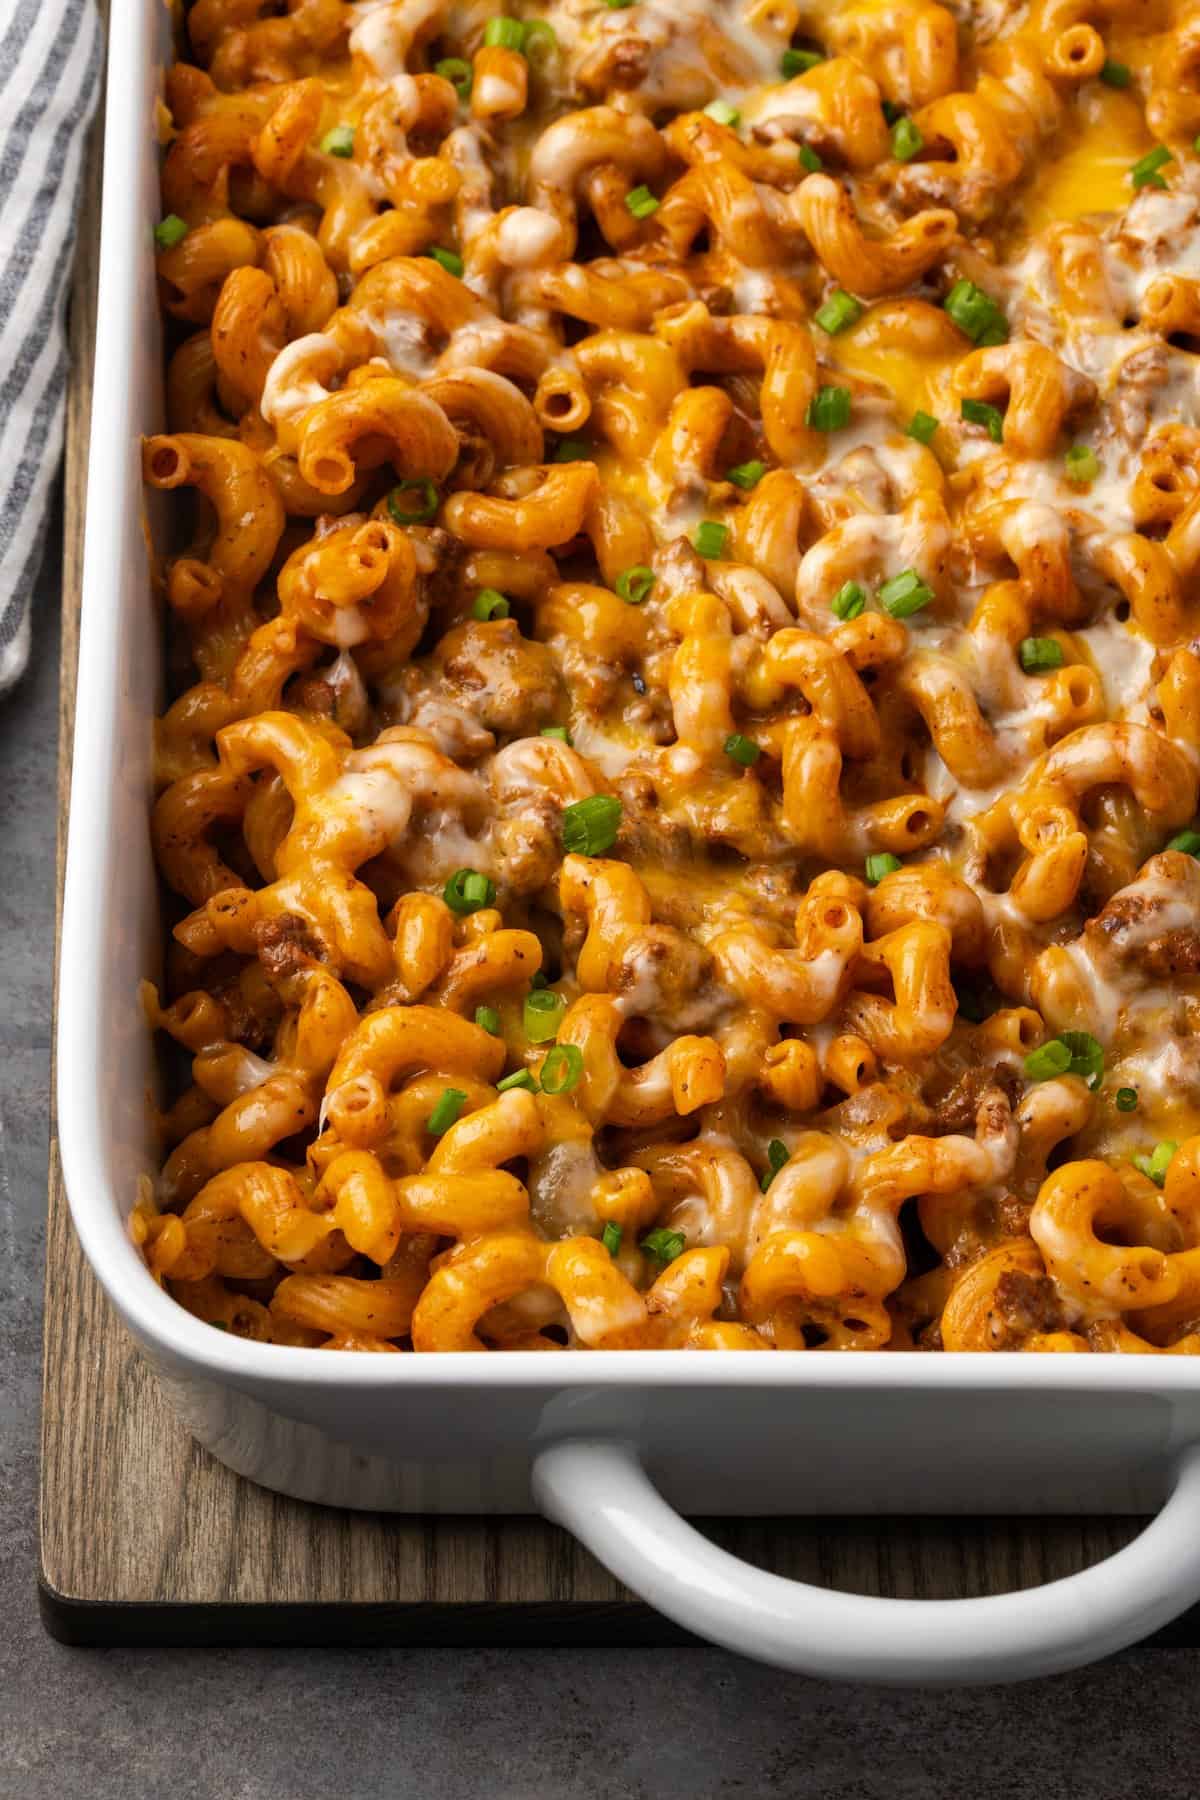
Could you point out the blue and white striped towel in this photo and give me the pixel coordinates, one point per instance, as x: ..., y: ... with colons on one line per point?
x: 50, y: 55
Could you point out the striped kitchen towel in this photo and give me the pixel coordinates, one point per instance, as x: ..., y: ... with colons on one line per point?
x: 50, y: 55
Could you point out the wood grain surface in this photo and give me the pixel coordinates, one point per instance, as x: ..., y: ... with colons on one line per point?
x: 145, y: 1538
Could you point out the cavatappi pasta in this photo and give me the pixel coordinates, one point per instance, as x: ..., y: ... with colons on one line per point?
x: 680, y: 796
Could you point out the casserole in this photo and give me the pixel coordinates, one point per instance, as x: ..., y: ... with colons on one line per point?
x: 592, y: 1440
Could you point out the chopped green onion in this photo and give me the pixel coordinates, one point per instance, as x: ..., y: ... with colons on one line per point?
x: 562, y: 1069
x: 838, y: 313
x: 487, y: 1019
x: 742, y: 749
x: 809, y: 159
x: 891, y: 111
x: 446, y: 1111
x: 522, y: 1079
x: 339, y: 141
x: 424, y: 511
x: 663, y: 1245
x: 1087, y: 1056
x: 710, y: 537
x: 922, y: 426
x: 849, y: 601
x: 543, y: 1015
x: 467, y: 891
x: 538, y: 980
x: 904, y: 595
x: 798, y: 62
x: 1127, y: 1100
x: 777, y: 1155
x: 1082, y: 464
x: 641, y: 202
x: 906, y: 140
x: 457, y: 72
x: 170, y: 231
x: 1158, y: 1162
x: 1144, y: 172
x: 538, y: 40
x: 976, y: 313
x: 589, y: 827
x: 723, y: 113
x: 1050, y: 1059
x: 450, y: 260
x: 569, y: 450
x: 1037, y: 654
x: 1070, y: 1053
x: 634, y: 585
x: 1115, y: 74
x: 618, y: 5
x: 829, y: 409
x: 880, y: 864
x: 1187, y: 841
x: 746, y: 475
x: 1196, y: 144
x: 978, y: 412
x: 610, y: 1237
x: 556, y: 731
x: 489, y: 603
x: 504, y: 34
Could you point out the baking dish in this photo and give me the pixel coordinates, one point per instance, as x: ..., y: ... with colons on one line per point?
x: 608, y: 1446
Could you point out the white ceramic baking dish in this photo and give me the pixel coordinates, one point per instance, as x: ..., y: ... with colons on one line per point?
x: 607, y: 1444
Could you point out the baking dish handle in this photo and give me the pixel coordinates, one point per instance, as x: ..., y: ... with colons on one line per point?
x: 598, y: 1489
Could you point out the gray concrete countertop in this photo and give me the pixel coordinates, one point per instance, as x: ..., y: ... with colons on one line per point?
x: 452, y: 1724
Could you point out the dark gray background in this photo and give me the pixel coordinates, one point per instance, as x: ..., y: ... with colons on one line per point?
x: 380, y: 1725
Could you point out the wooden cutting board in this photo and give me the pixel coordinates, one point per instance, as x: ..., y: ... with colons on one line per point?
x: 147, y: 1539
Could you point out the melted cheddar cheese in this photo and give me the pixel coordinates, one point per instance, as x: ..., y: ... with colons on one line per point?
x: 679, y: 793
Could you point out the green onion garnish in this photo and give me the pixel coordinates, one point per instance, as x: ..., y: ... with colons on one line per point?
x: 170, y: 231
x: 849, y: 601
x: 487, y: 1019
x: 809, y: 159
x: 978, y: 412
x: 798, y: 62
x: 556, y: 731
x: 709, y: 539
x: 522, y: 1079
x: 904, y: 595
x: 450, y: 260
x: 543, y: 1015
x: 589, y: 827
x: 569, y: 450
x: 922, y: 426
x: 1082, y: 464
x: 457, y: 72
x: 723, y: 113
x: 446, y: 1111
x: 1038, y: 654
x: 906, y: 140
x: 504, y: 34
x: 880, y: 864
x: 641, y: 202
x: 1158, y: 1162
x: 746, y: 475
x: 467, y: 891
x: 663, y: 1245
x: 1187, y: 841
x: 610, y: 1237
x: 1115, y: 74
x: 1127, y: 1100
x: 1070, y: 1053
x: 489, y: 603
x: 425, y: 509
x: 976, y: 313
x: 742, y: 749
x: 838, y: 313
x: 829, y: 409
x: 1144, y: 172
x: 562, y: 1069
x: 634, y: 585
x: 339, y: 141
